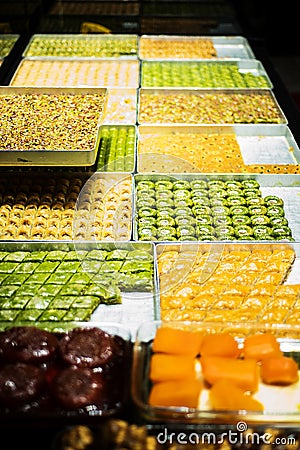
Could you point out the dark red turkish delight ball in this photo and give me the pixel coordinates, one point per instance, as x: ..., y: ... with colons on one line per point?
x: 89, y: 347
x: 20, y: 384
x: 27, y: 344
x: 77, y: 387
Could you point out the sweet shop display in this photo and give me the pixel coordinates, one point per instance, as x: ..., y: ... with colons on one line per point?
x: 208, y: 107
x: 149, y: 228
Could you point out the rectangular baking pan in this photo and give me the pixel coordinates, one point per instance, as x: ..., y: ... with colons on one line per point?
x: 96, y: 39
x: 198, y: 91
x: 125, y: 161
x: 229, y: 47
x: 74, y: 68
x: 66, y: 205
x: 138, y: 303
x: 275, y: 414
x: 259, y: 144
x: 252, y: 67
x: 64, y: 157
x: 286, y: 187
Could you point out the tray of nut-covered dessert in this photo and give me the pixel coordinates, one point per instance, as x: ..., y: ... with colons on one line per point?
x: 217, y: 149
x: 217, y: 373
x: 59, y: 283
x: 194, y: 47
x: 82, y: 46
x: 186, y: 207
x: 83, y: 371
x: 208, y: 106
x: 242, y: 74
x: 49, y: 126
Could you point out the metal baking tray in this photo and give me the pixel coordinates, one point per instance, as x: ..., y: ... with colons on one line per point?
x: 270, y: 145
x: 57, y: 157
x: 276, y: 414
x: 137, y: 305
x: 94, y: 39
x: 163, y: 92
x: 7, y: 42
x: 79, y: 72
x: 227, y: 47
x: 109, y: 160
x: 180, y: 68
x: 286, y: 187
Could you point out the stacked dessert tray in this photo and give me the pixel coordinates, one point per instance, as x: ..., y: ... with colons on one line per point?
x: 169, y: 202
